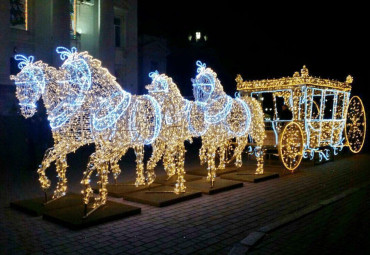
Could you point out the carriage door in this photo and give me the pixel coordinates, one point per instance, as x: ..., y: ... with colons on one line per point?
x: 313, y: 116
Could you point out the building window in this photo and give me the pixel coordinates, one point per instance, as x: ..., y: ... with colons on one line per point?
x: 73, y: 15
x: 117, y: 31
x: 19, y: 14
x: 88, y: 2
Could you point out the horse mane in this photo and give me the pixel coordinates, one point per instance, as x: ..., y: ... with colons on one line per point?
x: 172, y: 87
x: 99, y: 70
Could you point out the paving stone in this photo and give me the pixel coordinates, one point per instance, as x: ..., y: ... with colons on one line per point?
x: 230, y: 216
x: 239, y: 249
x: 252, y: 238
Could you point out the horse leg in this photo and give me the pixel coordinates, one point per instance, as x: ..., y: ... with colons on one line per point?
x: 222, y: 154
x: 241, y: 143
x: 158, y: 151
x: 203, y: 154
x: 115, y: 169
x: 169, y: 160
x: 61, y: 168
x: 114, y: 166
x: 180, y: 161
x: 103, y: 170
x: 139, y: 152
x: 211, y: 156
x: 49, y: 156
x: 88, y: 192
x: 259, y: 157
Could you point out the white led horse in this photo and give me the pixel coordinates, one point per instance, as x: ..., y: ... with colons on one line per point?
x: 217, y: 118
x: 63, y: 92
x: 174, y: 132
x: 85, y: 104
x: 119, y: 121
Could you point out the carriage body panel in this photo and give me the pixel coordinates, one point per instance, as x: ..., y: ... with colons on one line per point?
x: 318, y: 106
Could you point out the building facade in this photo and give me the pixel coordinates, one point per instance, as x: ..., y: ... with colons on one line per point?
x: 153, y: 54
x: 107, y: 29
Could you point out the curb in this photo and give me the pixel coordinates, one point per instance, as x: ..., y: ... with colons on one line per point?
x: 253, y: 238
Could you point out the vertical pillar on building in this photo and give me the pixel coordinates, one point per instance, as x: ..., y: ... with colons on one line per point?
x: 106, y: 35
x: 60, y: 28
x: 131, y: 46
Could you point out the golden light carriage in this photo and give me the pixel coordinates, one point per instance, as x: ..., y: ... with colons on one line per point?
x: 324, y: 117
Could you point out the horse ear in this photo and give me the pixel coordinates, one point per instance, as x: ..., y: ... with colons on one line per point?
x: 12, y: 77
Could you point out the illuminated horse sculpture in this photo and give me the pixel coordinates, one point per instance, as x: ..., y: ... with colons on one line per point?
x: 174, y: 132
x: 63, y: 92
x: 217, y: 118
x: 85, y: 104
x: 119, y: 121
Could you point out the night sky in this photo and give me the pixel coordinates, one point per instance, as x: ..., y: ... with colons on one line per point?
x: 262, y: 40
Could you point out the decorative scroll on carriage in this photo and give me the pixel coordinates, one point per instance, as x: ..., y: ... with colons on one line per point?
x: 324, y: 117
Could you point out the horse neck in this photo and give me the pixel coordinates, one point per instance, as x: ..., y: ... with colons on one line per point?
x: 174, y: 90
x: 50, y: 88
x: 102, y: 89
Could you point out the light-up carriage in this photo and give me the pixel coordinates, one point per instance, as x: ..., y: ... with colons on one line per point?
x: 324, y: 117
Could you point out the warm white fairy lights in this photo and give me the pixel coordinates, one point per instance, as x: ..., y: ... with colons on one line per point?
x: 320, y: 107
x: 169, y: 145
x: 85, y: 104
x: 63, y: 93
x: 217, y: 118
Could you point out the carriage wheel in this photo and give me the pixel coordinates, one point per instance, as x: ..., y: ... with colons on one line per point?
x: 355, y: 128
x: 291, y: 146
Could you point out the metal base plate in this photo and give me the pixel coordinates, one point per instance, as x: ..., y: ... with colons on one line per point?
x: 120, y: 189
x: 72, y: 217
x: 161, y: 196
x: 249, y: 176
x: 220, y: 185
x: 164, y: 180
x: 203, y: 171
x: 36, y: 207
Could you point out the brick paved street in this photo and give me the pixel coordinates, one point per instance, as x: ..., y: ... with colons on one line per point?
x: 206, y: 225
x: 340, y: 228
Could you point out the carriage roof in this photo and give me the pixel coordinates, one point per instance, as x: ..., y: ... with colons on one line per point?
x: 298, y: 79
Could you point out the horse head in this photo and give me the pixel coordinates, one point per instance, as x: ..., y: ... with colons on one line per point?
x: 204, y: 84
x: 73, y: 82
x: 30, y: 84
x: 159, y: 83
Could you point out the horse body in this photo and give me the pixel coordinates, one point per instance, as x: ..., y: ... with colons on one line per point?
x: 85, y: 104
x: 57, y: 89
x: 217, y: 118
x: 118, y: 121
x: 170, y: 142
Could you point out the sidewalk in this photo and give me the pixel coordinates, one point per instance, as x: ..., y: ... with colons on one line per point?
x: 206, y: 225
x: 339, y: 228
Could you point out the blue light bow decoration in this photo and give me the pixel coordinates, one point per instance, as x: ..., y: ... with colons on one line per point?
x: 65, y: 53
x: 23, y: 60
x: 160, y: 83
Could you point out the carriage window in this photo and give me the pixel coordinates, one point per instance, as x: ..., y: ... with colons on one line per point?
x: 339, y: 106
x: 267, y: 104
x: 316, y: 107
x: 19, y: 14
x: 328, y: 110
